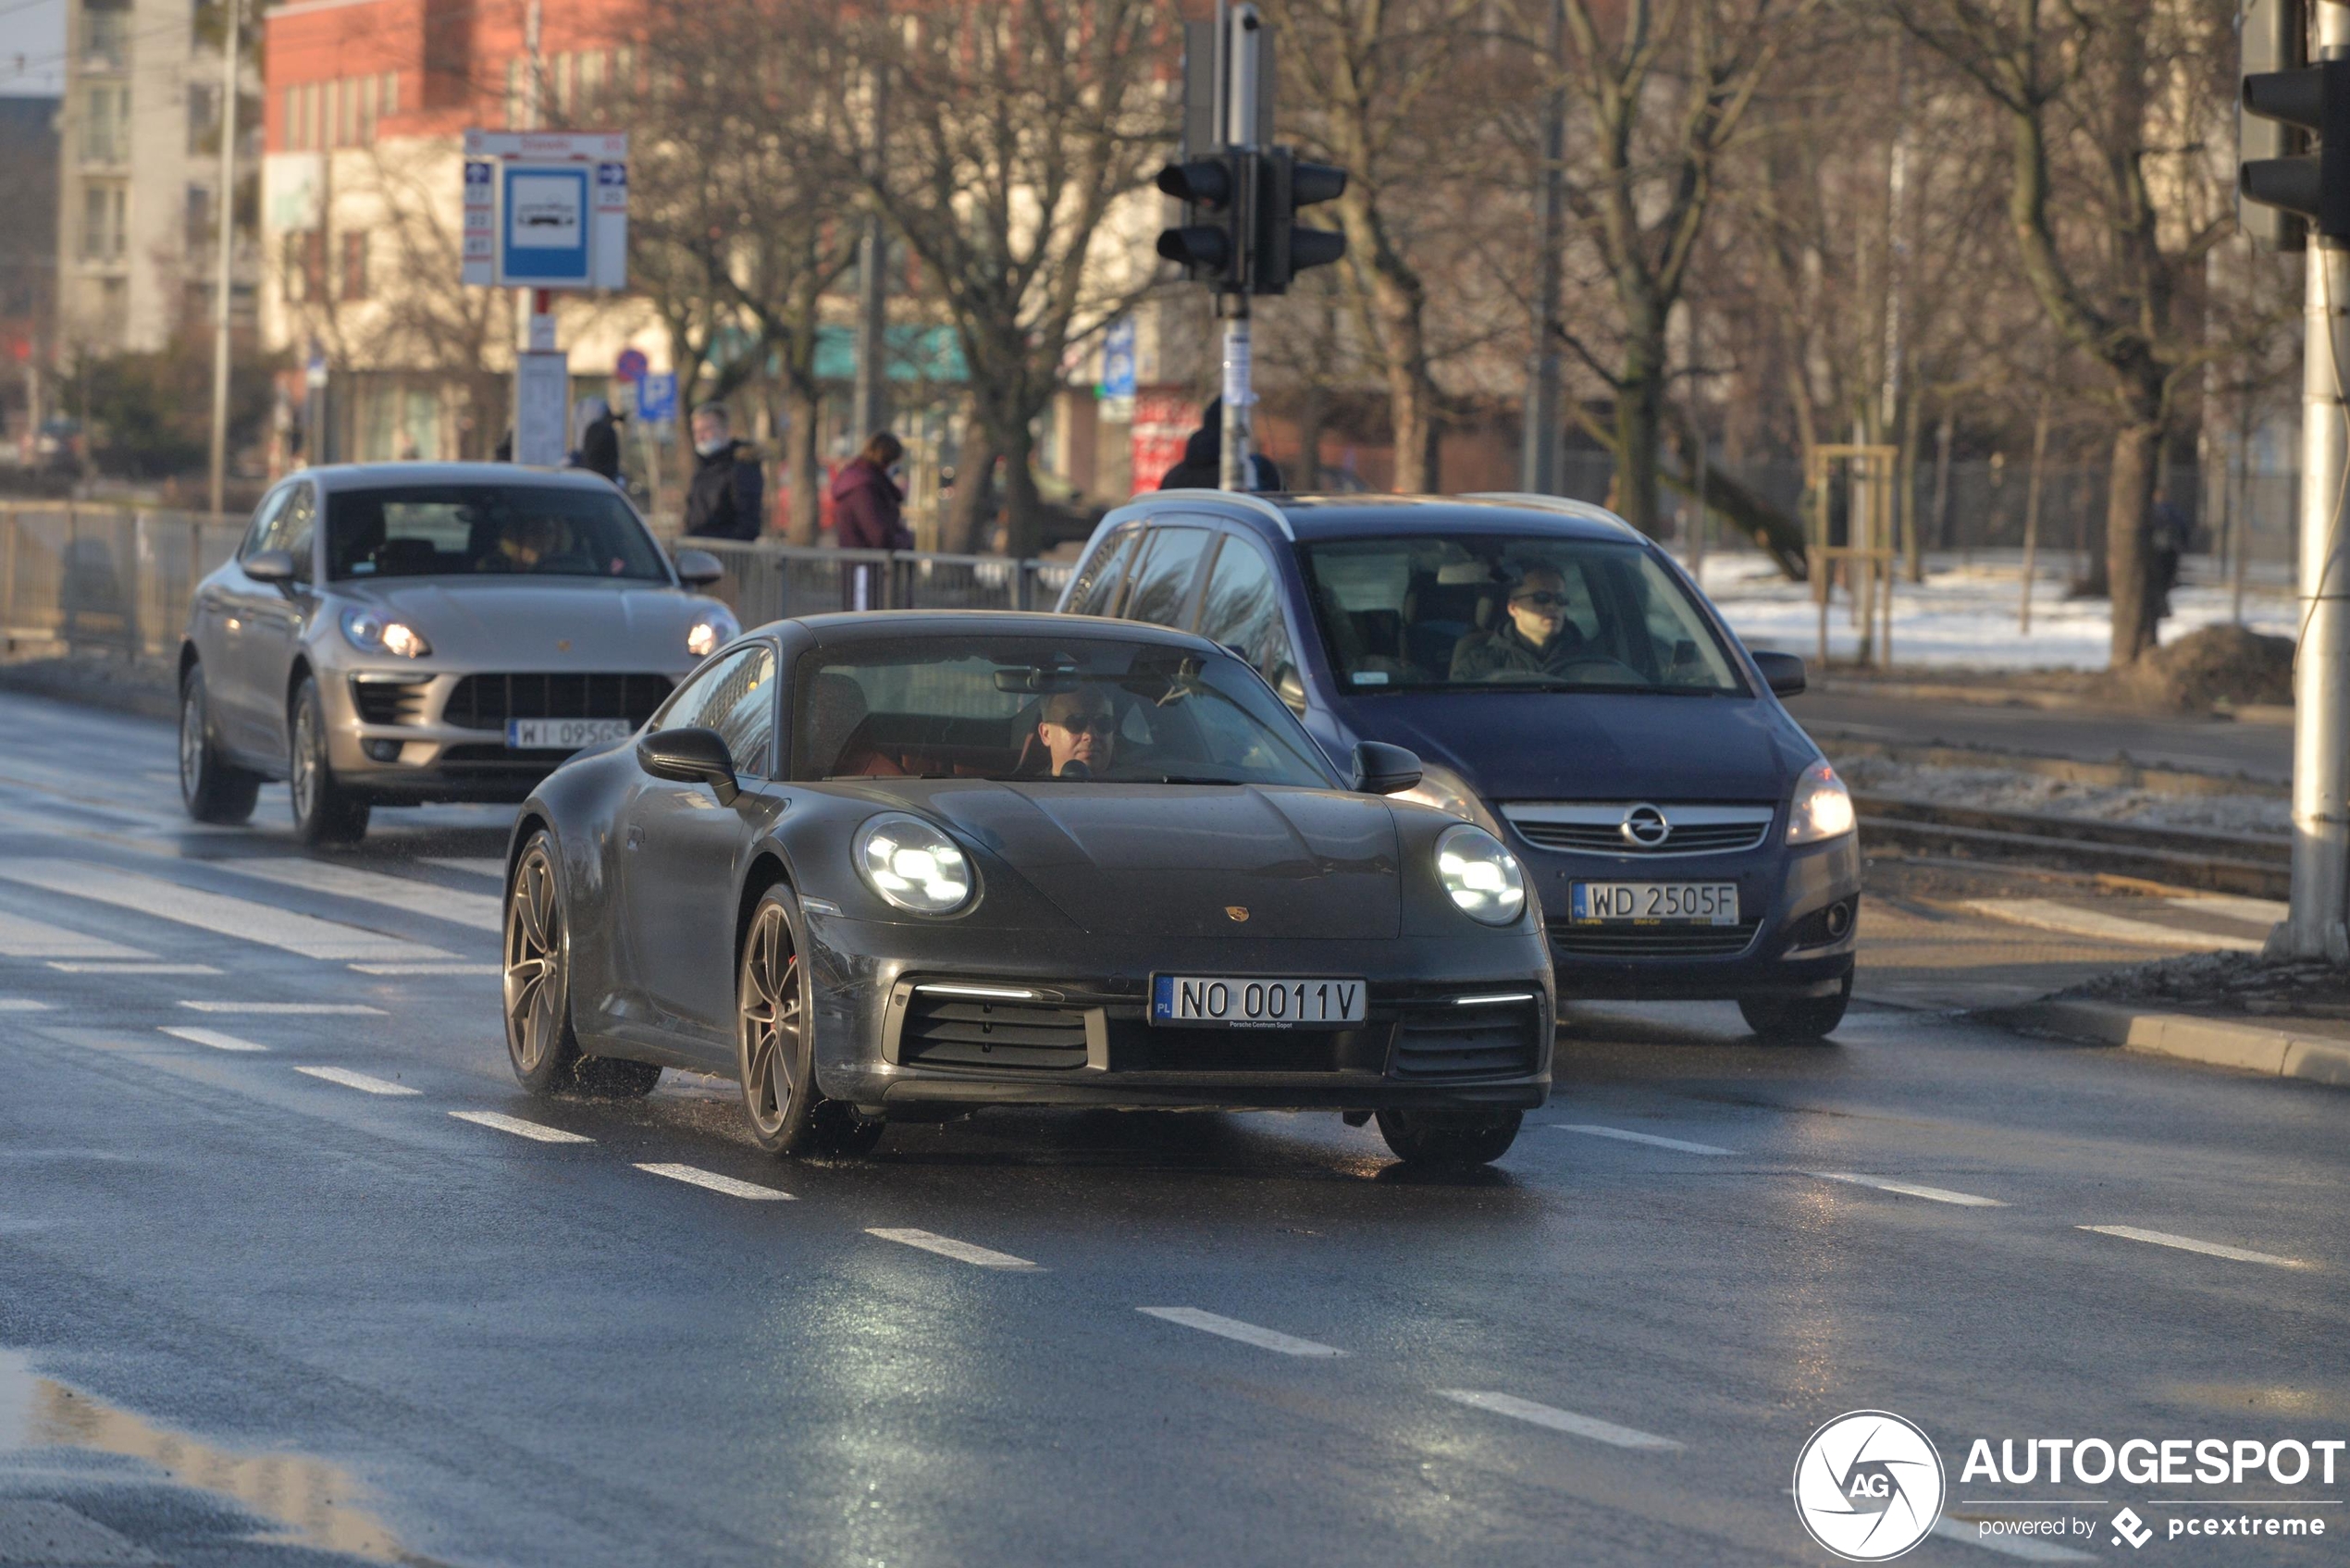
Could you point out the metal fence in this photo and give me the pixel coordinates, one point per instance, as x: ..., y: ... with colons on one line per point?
x: 119, y: 580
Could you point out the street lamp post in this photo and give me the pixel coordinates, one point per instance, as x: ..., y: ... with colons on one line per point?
x: 224, y: 217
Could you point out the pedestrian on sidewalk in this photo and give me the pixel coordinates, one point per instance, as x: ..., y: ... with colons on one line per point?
x: 1203, y: 464
x: 722, y: 500
x: 868, y: 512
x: 598, y: 449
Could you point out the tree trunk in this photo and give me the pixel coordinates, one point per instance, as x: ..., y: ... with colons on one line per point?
x: 1411, y: 397
x: 2128, y: 520
x: 803, y: 409
x: 1942, y: 433
x: 973, y: 508
x: 1640, y: 414
x: 1023, y: 508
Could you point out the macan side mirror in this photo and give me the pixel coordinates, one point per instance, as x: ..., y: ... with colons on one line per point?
x: 698, y: 568
x: 692, y: 756
x: 1784, y: 672
x: 1382, y: 769
x: 274, y: 567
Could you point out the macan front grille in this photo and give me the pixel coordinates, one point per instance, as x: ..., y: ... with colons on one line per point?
x: 395, y: 701
x: 1653, y: 942
x: 966, y: 1031
x: 1491, y: 1040
x: 486, y: 702
x: 1598, y: 828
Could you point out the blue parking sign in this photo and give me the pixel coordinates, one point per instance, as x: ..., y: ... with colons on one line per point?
x: 657, y: 398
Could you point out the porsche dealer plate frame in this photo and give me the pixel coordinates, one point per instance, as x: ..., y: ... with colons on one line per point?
x: 1258, y: 1001
x: 1652, y: 902
x: 564, y: 735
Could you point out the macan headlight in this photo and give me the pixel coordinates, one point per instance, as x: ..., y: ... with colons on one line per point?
x: 712, y: 632
x: 913, y: 864
x: 371, y: 633
x: 1480, y: 876
x: 1823, y: 808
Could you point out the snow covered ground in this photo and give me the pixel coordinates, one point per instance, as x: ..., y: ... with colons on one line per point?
x: 2004, y: 789
x: 1964, y: 614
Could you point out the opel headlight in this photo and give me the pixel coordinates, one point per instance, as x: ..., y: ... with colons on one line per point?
x: 371, y: 632
x: 712, y: 632
x: 1482, y: 877
x: 1822, y: 807
x: 913, y: 864
x: 1450, y: 794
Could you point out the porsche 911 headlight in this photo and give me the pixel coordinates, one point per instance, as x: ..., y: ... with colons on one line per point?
x: 1482, y: 878
x: 371, y: 632
x: 1822, y: 807
x: 1450, y: 794
x: 913, y: 864
x: 712, y: 633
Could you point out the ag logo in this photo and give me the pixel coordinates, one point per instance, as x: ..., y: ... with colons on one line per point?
x: 1868, y: 1486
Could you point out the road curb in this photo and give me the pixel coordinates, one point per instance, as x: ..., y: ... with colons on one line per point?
x: 2252, y: 1047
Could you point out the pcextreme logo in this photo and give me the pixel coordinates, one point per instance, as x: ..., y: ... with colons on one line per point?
x: 1869, y: 1486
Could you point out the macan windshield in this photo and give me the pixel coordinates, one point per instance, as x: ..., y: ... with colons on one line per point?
x: 1044, y: 710
x: 1528, y: 613
x: 491, y: 529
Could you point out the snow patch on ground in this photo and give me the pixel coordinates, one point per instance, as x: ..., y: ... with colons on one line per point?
x: 2000, y: 789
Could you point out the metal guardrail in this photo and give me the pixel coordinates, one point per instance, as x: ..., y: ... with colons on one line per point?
x: 119, y: 580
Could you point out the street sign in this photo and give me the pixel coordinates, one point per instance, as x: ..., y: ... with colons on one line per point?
x: 657, y: 399
x: 542, y: 229
x: 631, y: 365
x: 542, y: 407
x: 481, y: 222
x: 546, y: 209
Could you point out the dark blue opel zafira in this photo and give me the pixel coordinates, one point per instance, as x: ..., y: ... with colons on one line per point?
x: 1567, y: 688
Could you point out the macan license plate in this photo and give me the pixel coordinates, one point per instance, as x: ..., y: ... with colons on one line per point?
x: 1257, y: 1003
x: 1653, y: 903
x: 564, y: 735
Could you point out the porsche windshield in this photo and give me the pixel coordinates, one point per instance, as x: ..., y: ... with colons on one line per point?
x: 1534, y: 613
x: 1044, y: 708
x: 507, y: 530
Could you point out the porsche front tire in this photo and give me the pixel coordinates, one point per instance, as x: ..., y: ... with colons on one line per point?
x: 1449, y: 1140
x: 542, y: 1044
x: 775, y: 1050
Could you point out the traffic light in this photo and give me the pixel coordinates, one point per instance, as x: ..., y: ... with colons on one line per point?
x: 1212, y: 242
x: 2294, y: 131
x: 2272, y: 36
x: 1283, y: 249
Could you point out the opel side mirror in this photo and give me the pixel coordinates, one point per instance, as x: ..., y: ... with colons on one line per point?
x: 1783, y: 672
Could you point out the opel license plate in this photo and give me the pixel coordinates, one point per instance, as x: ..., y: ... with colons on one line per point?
x: 564, y: 735
x: 1653, y: 903
x: 1256, y: 1003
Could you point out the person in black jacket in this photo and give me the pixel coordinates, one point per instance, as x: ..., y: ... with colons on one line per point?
x: 1202, y: 468
x: 722, y: 500
x: 599, y: 440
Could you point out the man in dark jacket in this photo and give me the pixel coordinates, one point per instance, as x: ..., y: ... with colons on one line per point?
x: 722, y: 500
x: 1203, y: 464
x: 600, y: 441
x: 1535, y: 637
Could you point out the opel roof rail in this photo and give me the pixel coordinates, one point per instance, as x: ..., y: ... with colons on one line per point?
x: 1572, y: 508
x: 1246, y: 499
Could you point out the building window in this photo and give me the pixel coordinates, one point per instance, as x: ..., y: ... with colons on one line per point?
x: 203, y: 114
x: 391, y: 93
x: 106, y: 37
x: 103, y: 207
x: 363, y: 89
x: 302, y: 261
x: 591, y: 80
x: 355, y: 265
x: 105, y: 124
x: 198, y: 229
x: 516, y: 98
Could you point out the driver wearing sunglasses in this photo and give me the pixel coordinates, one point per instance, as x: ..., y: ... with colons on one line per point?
x: 1079, y: 731
x: 1535, y: 637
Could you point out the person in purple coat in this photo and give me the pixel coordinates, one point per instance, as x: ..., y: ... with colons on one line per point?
x: 868, y: 512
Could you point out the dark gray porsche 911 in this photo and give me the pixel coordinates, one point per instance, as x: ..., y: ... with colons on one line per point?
x: 901, y: 866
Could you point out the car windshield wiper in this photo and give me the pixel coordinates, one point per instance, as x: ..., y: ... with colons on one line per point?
x: 1186, y: 779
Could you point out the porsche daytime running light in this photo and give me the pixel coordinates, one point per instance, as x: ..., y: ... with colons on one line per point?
x: 711, y: 633
x: 913, y: 864
x: 1482, y: 878
x: 1449, y: 792
x: 371, y: 632
x: 1822, y: 807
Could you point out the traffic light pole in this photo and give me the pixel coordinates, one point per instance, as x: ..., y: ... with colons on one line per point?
x: 1243, y: 62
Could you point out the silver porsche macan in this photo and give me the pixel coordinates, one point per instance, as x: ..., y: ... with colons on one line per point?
x: 393, y: 634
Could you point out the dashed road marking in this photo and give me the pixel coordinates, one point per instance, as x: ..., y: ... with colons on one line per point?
x: 21, y: 938
x: 1557, y: 1420
x: 211, y: 1037
x: 288, y: 1009
x: 1246, y: 1333
x: 212, y: 912
x: 2023, y: 1548
x: 491, y: 969
x: 131, y: 969
x: 947, y: 1246
x: 480, y: 910
x: 2189, y: 1244
x: 520, y: 1127
x: 363, y: 1082
x: 1911, y: 1189
x: 2048, y: 914
x: 21, y: 1005
x: 1626, y: 1136
x: 696, y: 1177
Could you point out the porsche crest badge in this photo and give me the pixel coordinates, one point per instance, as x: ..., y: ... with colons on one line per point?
x: 1236, y: 911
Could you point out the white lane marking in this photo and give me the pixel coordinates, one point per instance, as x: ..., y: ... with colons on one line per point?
x: 947, y: 1246
x: 1564, y: 1421
x: 359, y: 1080
x: 482, y: 911
x: 479, y: 865
x: 211, y: 1037
x: 288, y: 1009
x: 131, y: 969
x: 2046, y: 914
x: 2262, y: 913
x: 21, y: 938
x: 2189, y: 1244
x: 21, y: 1005
x: 520, y: 1127
x: 222, y: 916
x: 1246, y: 1333
x: 692, y: 1175
x: 2023, y: 1548
x: 427, y: 968
x: 1648, y: 1137
x: 1910, y: 1190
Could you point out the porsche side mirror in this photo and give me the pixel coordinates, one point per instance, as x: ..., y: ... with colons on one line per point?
x: 698, y: 568
x: 690, y: 757
x: 1382, y: 769
x: 274, y: 567
x: 1783, y: 670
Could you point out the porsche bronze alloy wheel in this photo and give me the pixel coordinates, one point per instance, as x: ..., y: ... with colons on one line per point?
x: 540, y: 1041
x: 773, y: 1049
x: 212, y: 790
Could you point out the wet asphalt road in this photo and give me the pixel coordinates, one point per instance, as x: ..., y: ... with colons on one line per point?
x: 249, y: 1314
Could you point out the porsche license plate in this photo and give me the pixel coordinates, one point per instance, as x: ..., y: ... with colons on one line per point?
x: 1256, y: 1003
x: 1653, y: 903
x: 564, y: 735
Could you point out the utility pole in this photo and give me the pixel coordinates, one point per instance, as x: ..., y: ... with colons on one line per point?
x: 1539, y: 470
x: 1242, y: 58
x: 224, y: 206
x: 872, y: 410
